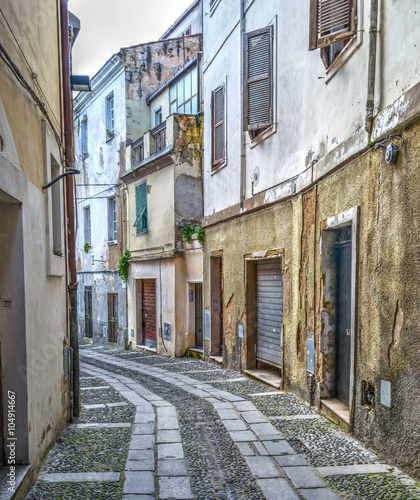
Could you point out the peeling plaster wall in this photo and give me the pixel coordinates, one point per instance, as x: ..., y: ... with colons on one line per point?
x: 388, y: 287
x: 147, y: 67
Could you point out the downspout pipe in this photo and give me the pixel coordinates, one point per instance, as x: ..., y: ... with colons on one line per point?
x: 69, y: 164
x: 373, y: 30
x: 242, y: 170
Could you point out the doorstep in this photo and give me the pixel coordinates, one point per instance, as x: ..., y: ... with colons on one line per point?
x: 217, y: 360
x: 266, y: 377
x: 21, y: 472
x: 147, y: 348
x: 336, y: 411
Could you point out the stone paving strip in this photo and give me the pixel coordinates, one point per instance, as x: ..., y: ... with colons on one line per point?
x: 148, y: 437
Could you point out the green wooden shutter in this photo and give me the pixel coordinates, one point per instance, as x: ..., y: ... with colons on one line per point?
x: 258, y: 76
x: 141, y: 208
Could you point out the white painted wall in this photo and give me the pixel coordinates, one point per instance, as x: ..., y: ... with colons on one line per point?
x: 314, y: 113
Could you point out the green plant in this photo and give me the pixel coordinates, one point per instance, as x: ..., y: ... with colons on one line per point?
x: 200, y: 235
x: 86, y: 247
x: 124, y: 264
x: 109, y: 133
x: 188, y: 232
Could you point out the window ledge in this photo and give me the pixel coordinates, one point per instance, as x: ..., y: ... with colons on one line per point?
x: 344, y: 56
x: 218, y: 167
x: 263, y: 136
x: 112, y: 242
x: 144, y: 233
x: 109, y: 137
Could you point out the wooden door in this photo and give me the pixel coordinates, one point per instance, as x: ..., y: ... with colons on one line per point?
x: 198, y: 315
x: 216, y: 297
x: 149, y: 312
x: 112, y: 317
x: 88, y: 313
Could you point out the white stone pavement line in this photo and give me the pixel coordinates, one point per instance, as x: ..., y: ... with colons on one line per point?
x: 106, y: 425
x: 95, y: 388
x: 81, y: 477
x: 296, y: 417
x: 344, y: 470
x: 277, y: 468
x: 139, y: 475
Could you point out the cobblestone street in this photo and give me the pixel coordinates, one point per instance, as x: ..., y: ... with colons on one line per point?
x: 179, y: 428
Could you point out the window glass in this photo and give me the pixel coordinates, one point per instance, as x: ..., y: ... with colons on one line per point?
x: 194, y: 109
x: 181, y: 109
x: 194, y: 85
x: 173, y: 107
x: 187, y: 85
x: 180, y: 90
x: 188, y: 108
x: 172, y: 93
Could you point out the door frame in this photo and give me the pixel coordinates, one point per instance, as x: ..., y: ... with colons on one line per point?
x: 328, y: 327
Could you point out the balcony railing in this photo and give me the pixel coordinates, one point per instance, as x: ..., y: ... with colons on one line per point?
x: 159, y: 136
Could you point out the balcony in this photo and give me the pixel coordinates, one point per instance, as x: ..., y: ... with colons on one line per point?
x: 159, y: 137
x: 156, y: 144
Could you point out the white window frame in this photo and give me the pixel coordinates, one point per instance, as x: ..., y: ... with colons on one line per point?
x: 110, y: 115
x: 112, y: 221
x: 87, y: 221
x: 84, y: 140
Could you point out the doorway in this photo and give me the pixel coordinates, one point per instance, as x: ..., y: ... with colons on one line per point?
x: 146, y: 312
x: 88, y: 313
x: 216, y: 305
x: 112, y: 317
x: 198, y: 318
x: 338, y: 316
x: 342, y: 249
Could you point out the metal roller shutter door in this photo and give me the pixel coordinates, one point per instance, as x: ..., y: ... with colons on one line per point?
x: 269, y: 311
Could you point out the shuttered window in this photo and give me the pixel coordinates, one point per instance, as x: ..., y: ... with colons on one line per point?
x: 141, y: 208
x: 218, y: 126
x: 258, y: 79
x: 331, y: 21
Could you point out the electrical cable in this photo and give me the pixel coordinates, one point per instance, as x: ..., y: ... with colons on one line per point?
x: 20, y: 78
x: 29, y: 66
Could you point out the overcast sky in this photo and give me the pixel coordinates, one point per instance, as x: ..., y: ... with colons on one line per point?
x: 108, y: 25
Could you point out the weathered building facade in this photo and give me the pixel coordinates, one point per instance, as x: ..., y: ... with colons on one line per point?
x: 99, y: 131
x: 34, y: 238
x: 163, y: 193
x: 311, y: 264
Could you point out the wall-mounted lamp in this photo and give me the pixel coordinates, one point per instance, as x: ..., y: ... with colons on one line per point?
x: 391, y: 150
x: 80, y: 83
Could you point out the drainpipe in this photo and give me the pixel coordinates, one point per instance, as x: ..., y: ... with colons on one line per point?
x: 373, y: 29
x: 242, y: 180
x: 71, y: 383
x: 68, y: 158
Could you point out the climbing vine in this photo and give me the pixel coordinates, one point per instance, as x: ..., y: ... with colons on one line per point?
x: 124, y: 264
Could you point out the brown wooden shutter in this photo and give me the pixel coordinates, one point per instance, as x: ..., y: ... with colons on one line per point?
x: 258, y: 76
x: 218, y: 133
x: 331, y: 21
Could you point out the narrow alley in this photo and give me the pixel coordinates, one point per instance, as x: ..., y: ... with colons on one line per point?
x: 179, y: 428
